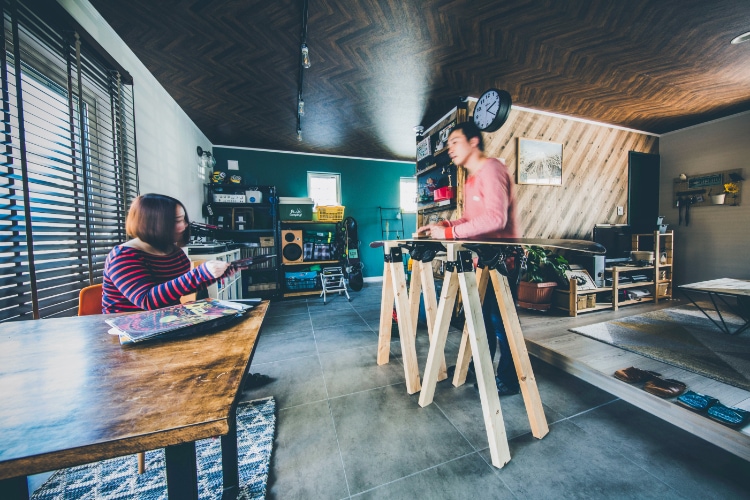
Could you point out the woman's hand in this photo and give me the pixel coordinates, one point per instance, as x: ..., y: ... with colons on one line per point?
x: 217, y: 268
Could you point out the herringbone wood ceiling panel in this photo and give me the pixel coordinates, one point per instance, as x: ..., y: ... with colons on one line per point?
x: 379, y: 67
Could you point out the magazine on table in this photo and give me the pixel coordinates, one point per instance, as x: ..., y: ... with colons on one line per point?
x: 181, y: 319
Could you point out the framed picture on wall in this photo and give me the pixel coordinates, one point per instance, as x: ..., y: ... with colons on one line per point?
x: 582, y: 278
x: 540, y: 162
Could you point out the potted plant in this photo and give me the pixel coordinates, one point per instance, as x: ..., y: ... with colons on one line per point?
x: 544, y: 270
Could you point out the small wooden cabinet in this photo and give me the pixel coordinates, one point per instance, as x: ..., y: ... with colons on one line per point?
x: 628, y: 280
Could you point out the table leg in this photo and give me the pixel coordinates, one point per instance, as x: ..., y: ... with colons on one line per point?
x: 182, y: 474
x: 386, y: 317
x: 439, y: 336
x: 229, y: 462
x: 14, y: 488
x: 464, y: 351
x: 521, y: 360
x: 493, y: 417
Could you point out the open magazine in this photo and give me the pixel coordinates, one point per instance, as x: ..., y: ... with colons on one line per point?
x: 182, y: 319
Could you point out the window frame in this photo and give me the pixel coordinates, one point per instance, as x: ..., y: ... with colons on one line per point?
x: 324, y: 175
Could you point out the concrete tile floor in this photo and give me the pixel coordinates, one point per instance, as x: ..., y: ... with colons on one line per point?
x: 347, y: 428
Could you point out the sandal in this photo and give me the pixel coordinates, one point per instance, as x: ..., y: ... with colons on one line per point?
x: 634, y: 375
x: 664, y: 388
x: 733, y: 417
x: 696, y: 402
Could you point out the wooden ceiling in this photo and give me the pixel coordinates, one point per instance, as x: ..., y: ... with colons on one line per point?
x: 380, y: 67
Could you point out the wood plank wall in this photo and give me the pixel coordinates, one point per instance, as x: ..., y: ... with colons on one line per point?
x: 595, y: 173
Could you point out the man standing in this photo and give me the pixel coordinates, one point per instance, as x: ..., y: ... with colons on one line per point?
x: 489, y: 212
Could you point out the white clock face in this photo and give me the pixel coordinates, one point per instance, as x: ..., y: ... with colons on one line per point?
x: 486, y: 109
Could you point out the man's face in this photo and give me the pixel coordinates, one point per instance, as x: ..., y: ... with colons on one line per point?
x: 459, y: 148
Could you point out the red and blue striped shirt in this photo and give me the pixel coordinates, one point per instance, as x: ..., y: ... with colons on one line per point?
x: 135, y: 280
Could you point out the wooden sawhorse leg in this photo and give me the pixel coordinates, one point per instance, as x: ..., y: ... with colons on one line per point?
x: 394, y: 289
x: 423, y: 285
x: 464, y: 351
x: 460, y: 274
x: 526, y: 380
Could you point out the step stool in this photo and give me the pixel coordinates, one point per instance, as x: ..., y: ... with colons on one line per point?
x: 332, y: 279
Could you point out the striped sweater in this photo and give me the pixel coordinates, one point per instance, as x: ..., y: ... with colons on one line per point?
x: 136, y: 280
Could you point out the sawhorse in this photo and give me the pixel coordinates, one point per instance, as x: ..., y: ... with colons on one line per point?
x: 459, y: 276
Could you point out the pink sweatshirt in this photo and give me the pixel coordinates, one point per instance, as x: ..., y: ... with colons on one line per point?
x: 489, y: 205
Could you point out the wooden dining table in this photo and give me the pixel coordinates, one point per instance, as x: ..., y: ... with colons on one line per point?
x: 70, y: 394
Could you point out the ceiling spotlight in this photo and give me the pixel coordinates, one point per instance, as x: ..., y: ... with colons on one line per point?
x: 301, y: 107
x: 742, y: 38
x: 305, y: 56
x: 418, y: 129
x: 299, y: 134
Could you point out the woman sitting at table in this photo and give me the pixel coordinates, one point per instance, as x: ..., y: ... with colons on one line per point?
x: 151, y: 270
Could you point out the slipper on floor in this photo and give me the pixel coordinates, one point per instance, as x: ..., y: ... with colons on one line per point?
x: 733, y: 417
x: 664, y: 388
x: 634, y: 375
x: 255, y: 380
x: 696, y: 402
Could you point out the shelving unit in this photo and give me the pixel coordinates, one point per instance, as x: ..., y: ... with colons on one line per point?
x: 305, y: 264
x: 391, y: 223
x: 249, y: 215
x: 435, y: 170
x: 225, y: 288
x: 658, y: 282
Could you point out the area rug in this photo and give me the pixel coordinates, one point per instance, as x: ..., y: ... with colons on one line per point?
x: 683, y: 337
x: 118, y: 478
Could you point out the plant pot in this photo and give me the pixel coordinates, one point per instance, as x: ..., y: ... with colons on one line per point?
x: 535, y: 295
x: 718, y: 199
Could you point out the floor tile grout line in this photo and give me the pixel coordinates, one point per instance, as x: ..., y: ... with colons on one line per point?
x: 330, y: 410
x: 414, y: 474
x: 615, y: 450
x: 585, y: 411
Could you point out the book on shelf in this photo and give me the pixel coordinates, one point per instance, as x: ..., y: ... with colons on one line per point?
x: 178, y: 320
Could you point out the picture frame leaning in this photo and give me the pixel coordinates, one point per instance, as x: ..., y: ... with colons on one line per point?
x: 540, y: 162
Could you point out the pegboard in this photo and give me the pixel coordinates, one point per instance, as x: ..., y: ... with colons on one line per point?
x: 696, y: 190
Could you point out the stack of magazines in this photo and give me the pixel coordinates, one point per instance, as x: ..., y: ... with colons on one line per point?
x: 183, y: 319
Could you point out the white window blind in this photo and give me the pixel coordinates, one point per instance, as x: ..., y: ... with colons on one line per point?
x: 69, y: 168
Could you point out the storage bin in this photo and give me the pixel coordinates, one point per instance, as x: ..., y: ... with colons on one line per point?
x: 662, y: 289
x: 591, y: 301
x: 306, y: 280
x: 582, y: 302
x: 295, y: 209
x: 330, y: 213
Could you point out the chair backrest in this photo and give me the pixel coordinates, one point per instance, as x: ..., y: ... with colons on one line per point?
x: 90, y: 300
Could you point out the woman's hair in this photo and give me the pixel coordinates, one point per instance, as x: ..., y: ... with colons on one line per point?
x: 470, y: 130
x: 151, y: 218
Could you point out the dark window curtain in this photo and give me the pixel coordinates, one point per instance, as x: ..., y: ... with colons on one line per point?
x: 69, y: 168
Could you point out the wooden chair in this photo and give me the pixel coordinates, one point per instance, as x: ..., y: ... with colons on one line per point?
x: 90, y: 302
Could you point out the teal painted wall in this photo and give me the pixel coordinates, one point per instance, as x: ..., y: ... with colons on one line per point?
x: 365, y: 186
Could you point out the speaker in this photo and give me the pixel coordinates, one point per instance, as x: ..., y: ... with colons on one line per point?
x: 597, y: 271
x: 291, y: 246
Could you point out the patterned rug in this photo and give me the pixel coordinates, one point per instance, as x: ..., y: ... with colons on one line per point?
x: 683, y: 337
x: 118, y: 478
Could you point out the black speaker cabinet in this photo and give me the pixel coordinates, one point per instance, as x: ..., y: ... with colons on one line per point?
x: 291, y: 246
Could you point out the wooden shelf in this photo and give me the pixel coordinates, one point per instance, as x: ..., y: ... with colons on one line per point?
x: 660, y: 274
x: 301, y: 293
x: 311, y: 262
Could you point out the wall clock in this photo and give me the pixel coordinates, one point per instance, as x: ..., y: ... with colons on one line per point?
x: 492, y: 109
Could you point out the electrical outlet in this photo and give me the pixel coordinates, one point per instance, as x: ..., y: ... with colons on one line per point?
x: 620, y: 210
